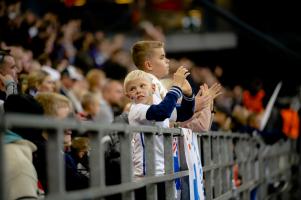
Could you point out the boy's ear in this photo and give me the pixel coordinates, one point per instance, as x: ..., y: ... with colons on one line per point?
x: 148, y: 66
x: 153, y: 88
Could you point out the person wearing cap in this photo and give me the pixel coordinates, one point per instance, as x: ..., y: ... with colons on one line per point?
x: 68, y: 78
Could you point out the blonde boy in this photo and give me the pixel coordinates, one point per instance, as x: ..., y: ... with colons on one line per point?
x: 144, y: 111
x: 149, y: 56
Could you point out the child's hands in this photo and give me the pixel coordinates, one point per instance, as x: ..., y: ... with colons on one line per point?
x: 179, y: 80
x: 215, y: 90
x: 179, y: 77
x: 186, y: 89
x: 206, y: 95
x: 202, y: 99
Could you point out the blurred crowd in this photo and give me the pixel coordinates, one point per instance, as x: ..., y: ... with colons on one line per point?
x: 80, y: 73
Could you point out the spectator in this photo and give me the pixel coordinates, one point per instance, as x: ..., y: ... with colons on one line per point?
x: 68, y: 78
x: 60, y: 107
x: 8, y: 74
x: 8, y: 77
x: 39, y: 81
x: 96, y: 80
x: 253, y: 98
x: 139, y: 88
x: 113, y: 94
x: 91, y: 106
x: 21, y: 176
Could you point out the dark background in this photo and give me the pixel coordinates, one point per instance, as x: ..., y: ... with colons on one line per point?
x: 253, y: 58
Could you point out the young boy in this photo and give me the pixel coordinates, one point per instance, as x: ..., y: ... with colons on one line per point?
x: 140, y: 89
x: 149, y: 56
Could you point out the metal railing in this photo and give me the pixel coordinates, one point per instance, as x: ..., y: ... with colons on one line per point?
x: 258, y: 164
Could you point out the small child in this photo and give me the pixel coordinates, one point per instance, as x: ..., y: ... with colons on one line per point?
x: 91, y: 106
x: 140, y: 89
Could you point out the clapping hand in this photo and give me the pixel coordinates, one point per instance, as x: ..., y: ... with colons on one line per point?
x: 206, y: 95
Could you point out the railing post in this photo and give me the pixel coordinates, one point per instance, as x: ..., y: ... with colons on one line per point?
x: 206, y: 148
x: 2, y: 160
x: 151, y: 189
x: 244, y: 149
x: 97, y: 161
x: 168, y: 163
x: 183, y: 166
x: 262, y: 173
x: 216, y: 160
x: 55, y: 162
x: 125, y: 162
x: 222, y: 161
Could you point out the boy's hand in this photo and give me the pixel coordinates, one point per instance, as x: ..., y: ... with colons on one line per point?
x: 179, y: 80
x: 186, y: 89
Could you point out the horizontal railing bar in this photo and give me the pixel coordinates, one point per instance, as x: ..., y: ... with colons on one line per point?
x: 124, y: 187
x: 216, y: 166
x: 273, y: 155
x: 278, y: 172
x: 226, y: 195
x: 247, y: 185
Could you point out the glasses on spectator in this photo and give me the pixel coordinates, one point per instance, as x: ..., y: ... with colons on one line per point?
x: 3, y: 53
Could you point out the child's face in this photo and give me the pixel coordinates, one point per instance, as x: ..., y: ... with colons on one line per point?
x: 158, y: 64
x: 140, y: 91
x: 62, y: 113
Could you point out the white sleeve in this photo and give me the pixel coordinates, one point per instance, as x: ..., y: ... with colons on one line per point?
x: 173, y: 116
x: 138, y: 113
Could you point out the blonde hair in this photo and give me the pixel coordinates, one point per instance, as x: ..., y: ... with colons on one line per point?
x: 80, y: 143
x: 142, y: 50
x: 135, y: 75
x: 36, y: 78
x: 93, y: 77
x: 88, y: 99
x: 51, y: 102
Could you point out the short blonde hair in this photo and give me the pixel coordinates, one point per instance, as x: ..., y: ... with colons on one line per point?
x: 135, y: 75
x: 51, y: 102
x: 94, y: 77
x: 142, y: 50
x: 88, y: 99
x: 36, y: 78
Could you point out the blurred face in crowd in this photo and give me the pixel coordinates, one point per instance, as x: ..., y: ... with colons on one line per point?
x: 68, y: 82
x: 8, y: 66
x: 140, y: 91
x: 157, y: 64
x: 113, y: 92
x: 47, y: 85
x: 94, y: 107
x: 62, y: 113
